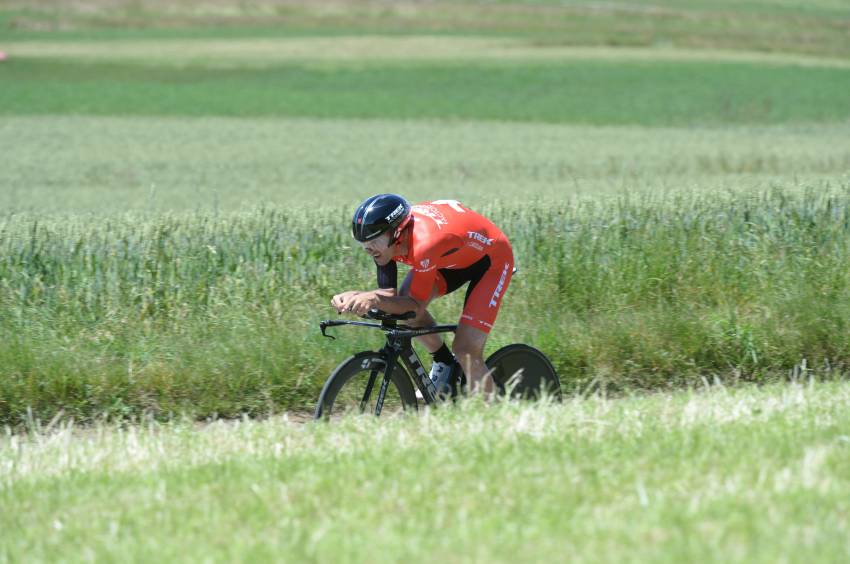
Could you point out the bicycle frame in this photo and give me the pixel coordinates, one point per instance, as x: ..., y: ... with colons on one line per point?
x: 399, y: 345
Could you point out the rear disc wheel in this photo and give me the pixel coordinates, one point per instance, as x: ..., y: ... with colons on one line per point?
x: 525, y: 372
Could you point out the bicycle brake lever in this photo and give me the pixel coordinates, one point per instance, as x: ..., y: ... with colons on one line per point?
x: 323, y: 325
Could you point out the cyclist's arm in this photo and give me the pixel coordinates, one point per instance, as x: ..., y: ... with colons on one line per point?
x: 388, y: 299
x: 424, y: 269
x: 385, y: 298
x: 388, y: 276
x: 396, y: 304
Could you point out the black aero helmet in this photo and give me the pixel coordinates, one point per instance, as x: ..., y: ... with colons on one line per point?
x: 380, y: 214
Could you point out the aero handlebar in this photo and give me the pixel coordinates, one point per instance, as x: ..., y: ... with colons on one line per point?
x: 388, y: 324
x: 384, y: 316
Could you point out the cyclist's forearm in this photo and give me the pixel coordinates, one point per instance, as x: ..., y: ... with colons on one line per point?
x: 395, y: 304
x: 390, y: 292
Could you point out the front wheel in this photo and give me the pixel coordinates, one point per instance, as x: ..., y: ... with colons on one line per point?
x: 525, y: 371
x: 348, y: 390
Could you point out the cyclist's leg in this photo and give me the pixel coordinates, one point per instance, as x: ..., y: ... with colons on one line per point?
x: 468, y: 348
x: 433, y: 342
x: 483, y: 300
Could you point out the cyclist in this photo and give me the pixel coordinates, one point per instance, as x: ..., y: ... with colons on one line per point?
x: 446, y: 245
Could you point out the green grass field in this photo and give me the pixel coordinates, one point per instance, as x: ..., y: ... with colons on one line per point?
x: 176, y: 182
x: 597, y: 92
x: 725, y: 475
x: 79, y: 164
x: 683, y: 210
x: 215, y: 314
x: 813, y: 28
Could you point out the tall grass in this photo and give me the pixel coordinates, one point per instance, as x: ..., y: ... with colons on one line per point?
x: 215, y: 313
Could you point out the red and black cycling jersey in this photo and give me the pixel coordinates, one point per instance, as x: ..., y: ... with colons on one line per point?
x: 446, y: 235
x: 450, y: 245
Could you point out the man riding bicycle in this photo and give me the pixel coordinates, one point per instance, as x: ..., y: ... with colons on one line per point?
x: 447, y: 245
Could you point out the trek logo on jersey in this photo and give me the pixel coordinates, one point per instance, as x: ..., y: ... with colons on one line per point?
x: 395, y: 213
x: 479, y: 237
x: 494, y: 301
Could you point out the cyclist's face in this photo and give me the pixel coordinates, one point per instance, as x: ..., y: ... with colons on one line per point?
x: 380, y: 249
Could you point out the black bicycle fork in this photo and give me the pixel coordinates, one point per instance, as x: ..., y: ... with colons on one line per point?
x: 391, y: 353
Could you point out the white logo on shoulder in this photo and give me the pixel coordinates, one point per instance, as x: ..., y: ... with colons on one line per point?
x: 454, y: 204
x: 433, y: 213
x: 424, y: 263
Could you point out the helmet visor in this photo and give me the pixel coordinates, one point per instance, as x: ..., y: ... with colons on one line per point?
x: 376, y: 245
x: 368, y: 232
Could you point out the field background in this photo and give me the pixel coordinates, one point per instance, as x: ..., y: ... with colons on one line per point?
x: 176, y: 182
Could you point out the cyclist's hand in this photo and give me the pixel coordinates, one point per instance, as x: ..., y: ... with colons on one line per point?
x: 359, y: 303
x: 340, y: 301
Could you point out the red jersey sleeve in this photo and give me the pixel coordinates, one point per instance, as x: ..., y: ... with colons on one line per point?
x: 425, y: 265
x: 422, y: 284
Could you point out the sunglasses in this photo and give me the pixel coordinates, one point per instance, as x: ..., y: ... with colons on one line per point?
x: 379, y: 244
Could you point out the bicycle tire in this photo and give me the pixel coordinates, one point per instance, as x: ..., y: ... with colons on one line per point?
x: 525, y: 371
x: 344, y: 388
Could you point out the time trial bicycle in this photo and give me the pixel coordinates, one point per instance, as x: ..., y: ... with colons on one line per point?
x: 522, y: 370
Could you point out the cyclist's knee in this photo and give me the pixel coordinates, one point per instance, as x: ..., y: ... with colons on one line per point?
x: 422, y: 319
x: 469, y: 343
x: 464, y: 350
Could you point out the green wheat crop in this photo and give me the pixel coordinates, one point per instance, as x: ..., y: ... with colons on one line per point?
x: 216, y: 313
